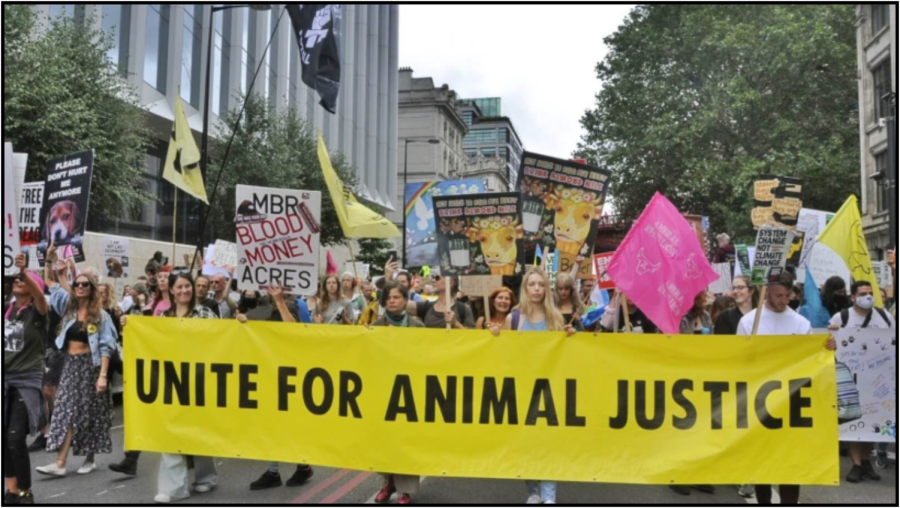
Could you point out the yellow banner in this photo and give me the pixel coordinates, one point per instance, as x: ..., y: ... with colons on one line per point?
x: 644, y: 409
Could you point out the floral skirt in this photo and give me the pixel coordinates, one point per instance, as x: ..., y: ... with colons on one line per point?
x: 79, y: 408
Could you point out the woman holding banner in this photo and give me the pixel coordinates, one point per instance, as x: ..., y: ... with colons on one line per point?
x: 173, y: 469
x: 82, y: 415
x: 501, y: 302
x: 394, y: 299
x: 332, y: 308
x: 746, y: 299
x: 351, y: 294
x: 25, y: 326
x: 537, y: 312
x: 567, y: 302
x: 162, y: 301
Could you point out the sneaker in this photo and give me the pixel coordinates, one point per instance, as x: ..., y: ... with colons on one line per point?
x: 747, y: 491
x: 268, y: 480
x: 25, y: 498
x: 162, y: 499
x: 869, y: 472
x: 706, y: 489
x: 384, y: 495
x: 87, y: 468
x: 549, y: 502
x: 301, y: 476
x: 52, y: 470
x: 533, y: 499
x: 10, y: 499
x: 39, y: 444
x: 404, y: 499
x: 203, y: 488
x: 680, y: 490
x: 856, y: 475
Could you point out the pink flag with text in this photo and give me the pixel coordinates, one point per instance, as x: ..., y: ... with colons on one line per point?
x: 661, y: 266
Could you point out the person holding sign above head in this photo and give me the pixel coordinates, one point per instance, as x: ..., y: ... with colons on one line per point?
x: 501, y: 302
x: 778, y: 319
x: 395, y: 299
x: 863, y: 314
x: 25, y: 326
x: 537, y: 312
x: 331, y: 307
x: 82, y: 415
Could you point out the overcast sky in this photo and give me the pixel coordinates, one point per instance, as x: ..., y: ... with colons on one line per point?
x: 539, y: 59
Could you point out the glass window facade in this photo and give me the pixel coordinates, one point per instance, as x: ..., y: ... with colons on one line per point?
x: 489, y: 107
x: 480, y: 136
x: 221, y: 62
x: 117, y: 23
x: 881, y: 85
x: 157, y: 46
x: 880, y: 17
x: 190, y: 54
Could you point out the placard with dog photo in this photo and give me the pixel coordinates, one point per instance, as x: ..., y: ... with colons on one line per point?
x: 562, y: 202
x: 480, y: 234
x: 67, y: 195
x: 115, y: 257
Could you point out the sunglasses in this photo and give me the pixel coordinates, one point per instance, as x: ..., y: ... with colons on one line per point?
x: 84, y: 285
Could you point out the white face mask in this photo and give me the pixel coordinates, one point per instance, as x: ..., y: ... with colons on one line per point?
x: 865, y: 302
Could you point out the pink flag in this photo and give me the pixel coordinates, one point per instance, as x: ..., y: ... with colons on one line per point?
x: 331, y: 268
x: 661, y: 266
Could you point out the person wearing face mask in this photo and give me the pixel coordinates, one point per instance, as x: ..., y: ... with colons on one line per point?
x: 796, y: 298
x: 863, y: 314
x: 834, y: 296
x: 501, y: 302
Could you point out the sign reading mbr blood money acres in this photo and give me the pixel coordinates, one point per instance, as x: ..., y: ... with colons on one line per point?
x: 278, y: 238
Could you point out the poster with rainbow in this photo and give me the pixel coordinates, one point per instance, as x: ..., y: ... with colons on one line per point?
x: 421, y: 247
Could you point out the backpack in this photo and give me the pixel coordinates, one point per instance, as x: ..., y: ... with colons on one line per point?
x: 845, y: 317
x: 849, y: 408
x: 459, y: 308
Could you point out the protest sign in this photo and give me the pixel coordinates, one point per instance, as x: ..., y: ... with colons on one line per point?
x: 772, y: 248
x: 744, y: 262
x: 361, y: 271
x: 871, y: 355
x: 723, y: 284
x: 479, y: 234
x: 224, y: 256
x: 821, y: 259
x: 66, y: 200
x: 701, y: 228
x: 480, y: 285
x: 551, y: 415
x: 421, y: 243
x: 11, y: 247
x: 30, y: 204
x: 278, y: 239
x: 601, y: 263
x: 20, y: 168
x: 116, y: 256
x: 796, y: 250
x: 883, y: 273
x: 561, y: 208
x: 777, y: 202
x: 763, y: 196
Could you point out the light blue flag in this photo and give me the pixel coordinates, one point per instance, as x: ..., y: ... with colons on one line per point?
x: 599, y: 302
x: 556, y: 257
x: 813, y: 310
x: 538, y: 254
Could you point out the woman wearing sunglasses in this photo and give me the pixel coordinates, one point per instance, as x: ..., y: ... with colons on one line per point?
x: 82, y: 415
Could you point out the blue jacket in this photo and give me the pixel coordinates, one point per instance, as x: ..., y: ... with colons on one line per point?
x: 102, y: 343
x: 305, y: 316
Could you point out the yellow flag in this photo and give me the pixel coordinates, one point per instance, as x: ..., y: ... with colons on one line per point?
x: 357, y: 221
x: 844, y: 234
x: 183, y: 160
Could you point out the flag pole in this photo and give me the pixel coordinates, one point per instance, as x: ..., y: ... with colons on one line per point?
x: 175, y: 225
x: 487, y: 311
x: 352, y: 259
x: 625, y: 313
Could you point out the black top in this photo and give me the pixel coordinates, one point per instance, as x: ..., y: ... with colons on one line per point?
x: 728, y: 322
x: 638, y: 320
x: 567, y: 318
x: 24, y: 339
x: 77, y: 333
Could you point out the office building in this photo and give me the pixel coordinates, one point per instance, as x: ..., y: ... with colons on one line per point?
x: 491, y: 135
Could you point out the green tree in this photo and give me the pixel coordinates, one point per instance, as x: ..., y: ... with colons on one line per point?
x: 61, y: 95
x: 270, y: 150
x: 699, y: 100
x: 375, y: 253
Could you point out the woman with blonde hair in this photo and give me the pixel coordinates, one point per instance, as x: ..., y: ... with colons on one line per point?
x: 567, y: 301
x: 537, y: 312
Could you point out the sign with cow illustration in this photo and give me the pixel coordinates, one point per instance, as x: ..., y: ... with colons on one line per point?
x: 562, y: 202
x: 480, y: 234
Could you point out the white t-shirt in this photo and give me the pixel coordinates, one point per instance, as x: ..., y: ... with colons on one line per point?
x: 856, y: 320
x: 788, y: 322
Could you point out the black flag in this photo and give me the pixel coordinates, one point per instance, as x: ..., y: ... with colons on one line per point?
x: 317, y: 28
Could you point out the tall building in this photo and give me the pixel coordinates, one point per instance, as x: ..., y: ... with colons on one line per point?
x: 431, y: 132
x: 162, y: 48
x: 491, y: 135
x: 876, y: 41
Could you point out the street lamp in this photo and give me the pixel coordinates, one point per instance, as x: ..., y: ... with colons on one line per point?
x: 406, y: 144
x: 207, y: 107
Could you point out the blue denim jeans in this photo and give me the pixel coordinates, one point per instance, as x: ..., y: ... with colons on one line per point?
x: 546, y: 490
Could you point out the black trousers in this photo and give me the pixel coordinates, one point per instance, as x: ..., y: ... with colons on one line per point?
x: 16, y: 462
x: 790, y: 494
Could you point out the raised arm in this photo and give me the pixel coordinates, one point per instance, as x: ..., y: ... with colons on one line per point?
x: 37, y: 295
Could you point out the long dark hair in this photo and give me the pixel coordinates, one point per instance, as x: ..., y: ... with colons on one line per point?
x: 324, y: 298
x: 173, y: 278
x: 832, y: 286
